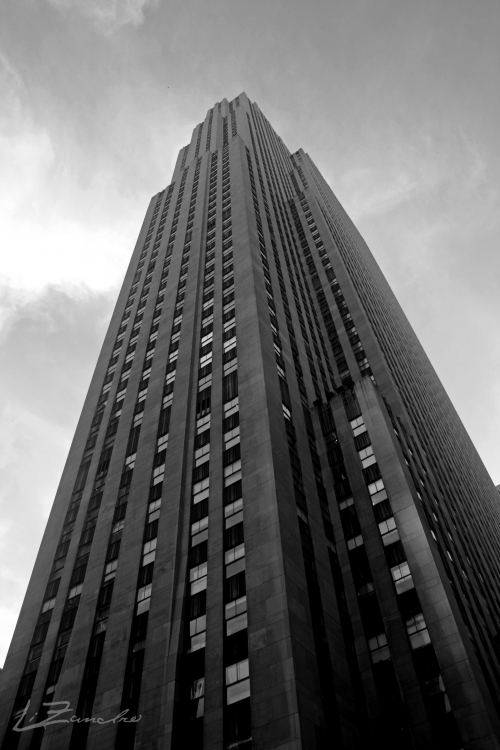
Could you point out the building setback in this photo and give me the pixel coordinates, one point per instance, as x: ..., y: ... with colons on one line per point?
x: 272, y: 530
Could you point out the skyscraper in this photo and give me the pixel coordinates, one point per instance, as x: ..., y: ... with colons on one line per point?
x: 272, y: 530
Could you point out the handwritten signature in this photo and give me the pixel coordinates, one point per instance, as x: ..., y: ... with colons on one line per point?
x: 54, y: 713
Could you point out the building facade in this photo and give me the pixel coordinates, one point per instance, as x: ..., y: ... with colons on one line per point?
x: 272, y: 530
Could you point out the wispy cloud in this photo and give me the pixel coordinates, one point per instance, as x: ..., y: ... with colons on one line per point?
x: 60, y: 218
x: 108, y: 15
x: 413, y: 166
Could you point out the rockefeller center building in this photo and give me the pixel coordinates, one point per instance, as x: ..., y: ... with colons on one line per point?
x: 272, y: 530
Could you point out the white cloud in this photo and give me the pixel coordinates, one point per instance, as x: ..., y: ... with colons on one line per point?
x: 64, y: 222
x: 108, y: 15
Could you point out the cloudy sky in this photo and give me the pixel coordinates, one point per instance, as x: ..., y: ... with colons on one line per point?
x: 396, y: 101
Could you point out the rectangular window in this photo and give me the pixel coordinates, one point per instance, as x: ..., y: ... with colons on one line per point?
x: 358, y: 426
x: 417, y: 631
x: 378, y: 648
x: 234, y: 468
x: 237, y: 682
x: 230, y: 387
x: 402, y: 577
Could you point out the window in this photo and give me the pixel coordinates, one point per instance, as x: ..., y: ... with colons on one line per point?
x: 144, y: 592
x: 358, y: 426
x: 110, y: 570
x: 366, y: 456
x: 197, y: 605
x: 417, y: 631
x: 197, y: 689
x: 197, y: 632
x: 230, y: 407
x: 230, y: 387
x: 201, y: 490
x: 198, y: 555
x: 202, y: 454
x: 232, y: 437
x: 346, y: 503
x: 350, y: 522
x: 203, y: 401
x: 378, y: 648
x: 232, y: 472
x: 388, y: 531
x: 376, y: 490
x: 198, y: 578
x: 199, y: 526
x: 237, y: 681
x: 231, y: 456
x: 235, y: 553
x: 235, y: 589
x: 402, y: 577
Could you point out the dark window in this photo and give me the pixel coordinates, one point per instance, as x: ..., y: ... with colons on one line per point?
x: 232, y: 493
x: 203, y: 399
x: 285, y: 394
x: 155, y: 492
x: 231, y: 422
x: 133, y: 440
x: 95, y: 502
x: 52, y: 589
x: 230, y: 387
x: 350, y: 522
x: 198, y: 605
x: 233, y: 536
x: 151, y: 531
x: 105, y: 595
x: 78, y: 575
x: 145, y: 575
x: 200, y: 510
x: 204, y: 371
x: 120, y: 512
x: 231, y: 455
x: 139, y: 627
x: 68, y: 619
x: 382, y: 511
x: 82, y: 476
x: 236, y: 648
x: 372, y: 473
x: 104, y: 461
x: 40, y: 632
x: 360, y: 567
x: 202, y: 439
x: 198, y: 554
x: 126, y: 478
x: 361, y: 441
x: 228, y: 356
x: 235, y: 587
x: 409, y: 604
x: 370, y: 615
x: 164, y: 421
x: 113, y: 551
x: 201, y: 472
x: 426, y: 664
x: 112, y: 427
x: 159, y: 459
x: 117, y: 406
x: 54, y: 671
x: 395, y: 554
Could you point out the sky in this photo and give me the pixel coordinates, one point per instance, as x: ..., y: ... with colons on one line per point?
x: 396, y: 102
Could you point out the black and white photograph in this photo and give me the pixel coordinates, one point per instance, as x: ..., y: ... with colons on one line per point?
x: 249, y: 375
